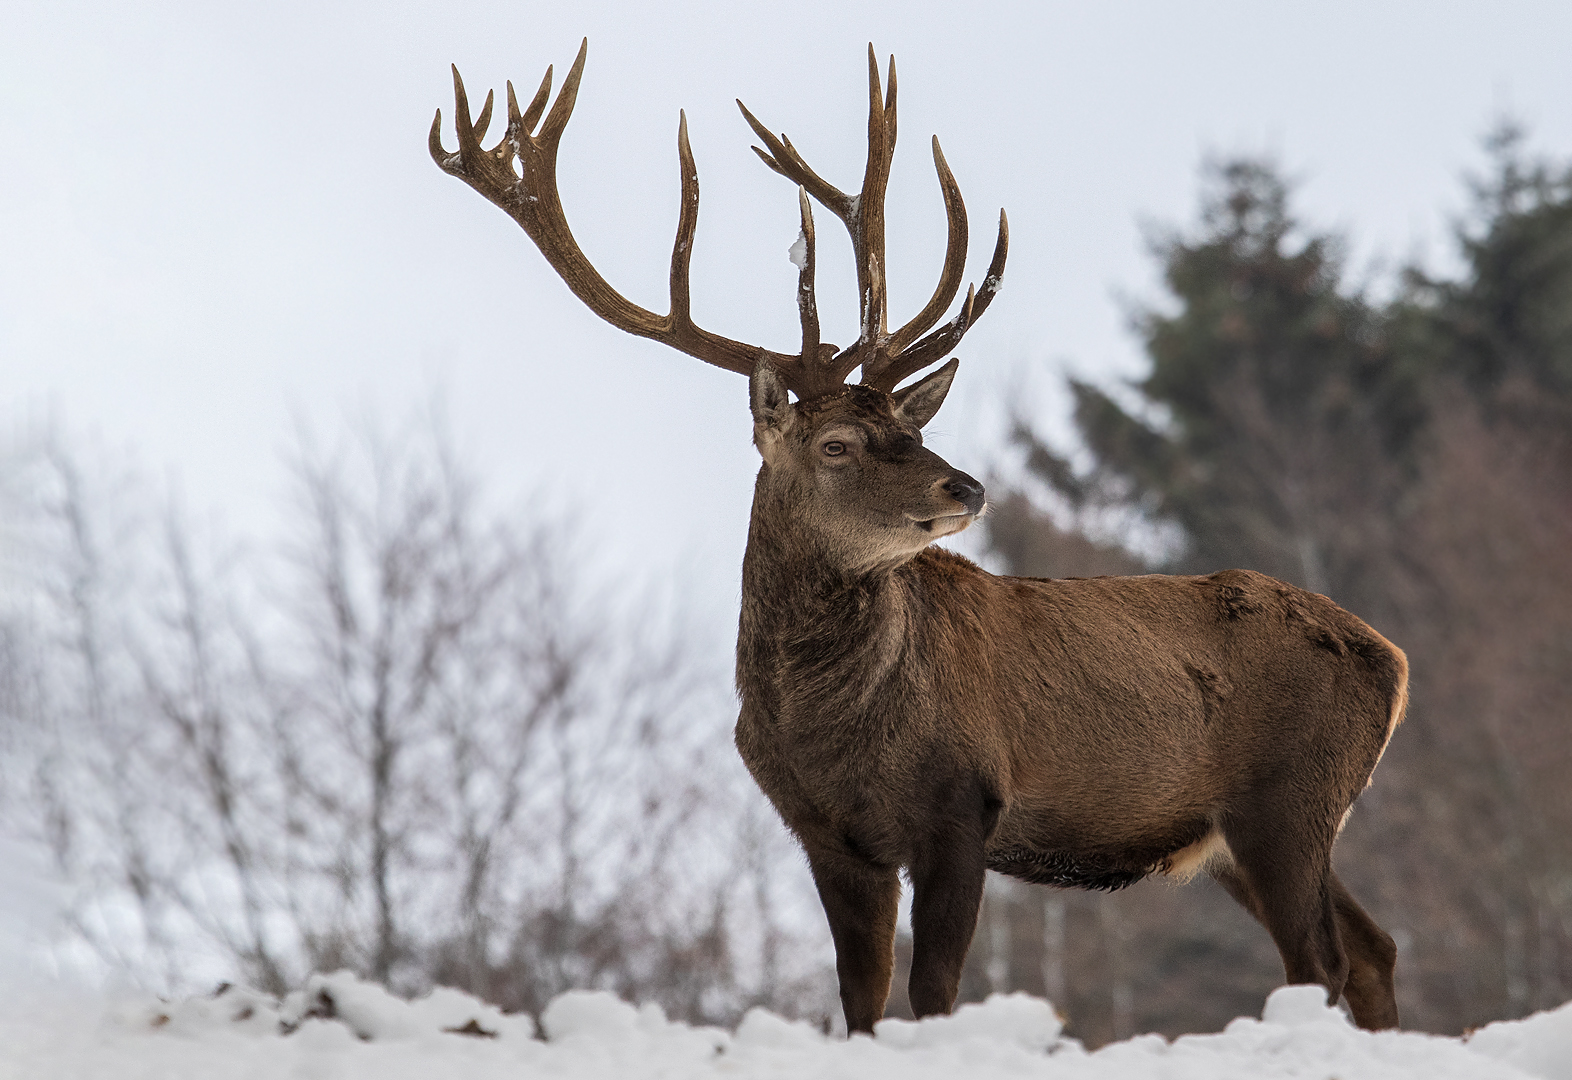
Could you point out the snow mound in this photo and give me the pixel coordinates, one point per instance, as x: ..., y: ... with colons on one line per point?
x: 1298, y: 1035
x: 373, y: 1014
x: 763, y: 1029
x: 1015, y: 1019
x: 600, y: 1027
x: 1293, y: 1006
x: 1540, y: 1045
x: 338, y: 1026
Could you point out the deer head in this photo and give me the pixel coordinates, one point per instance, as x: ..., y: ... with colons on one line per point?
x: 849, y: 472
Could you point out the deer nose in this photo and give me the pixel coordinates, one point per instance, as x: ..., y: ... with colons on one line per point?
x: 966, y: 491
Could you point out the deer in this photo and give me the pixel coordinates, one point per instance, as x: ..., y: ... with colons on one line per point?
x: 906, y: 711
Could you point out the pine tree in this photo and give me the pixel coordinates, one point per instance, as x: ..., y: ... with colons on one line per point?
x: 1510, y: 317
x: 1272, y: 398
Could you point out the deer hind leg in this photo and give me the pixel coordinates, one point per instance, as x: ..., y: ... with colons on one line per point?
x: 861, y: 901
x: 1286, y: 885
x: 1372, y: 957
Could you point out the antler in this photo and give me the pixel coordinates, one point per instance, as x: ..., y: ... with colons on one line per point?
x: 527, y: 192
x: 519, y: 175
x: 887, y: 358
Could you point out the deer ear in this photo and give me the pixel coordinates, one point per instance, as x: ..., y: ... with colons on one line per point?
x: 918, y: 402
x: 767, y: 395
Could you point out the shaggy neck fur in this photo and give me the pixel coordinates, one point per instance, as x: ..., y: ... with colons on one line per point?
x: 835, y: 637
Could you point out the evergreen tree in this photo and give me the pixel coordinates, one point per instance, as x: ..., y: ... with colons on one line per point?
x: 1510, y: 317
x: 1272, y: 396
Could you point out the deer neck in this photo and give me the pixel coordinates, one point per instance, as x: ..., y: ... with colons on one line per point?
x: 809, y: 621
x: 789, y: 561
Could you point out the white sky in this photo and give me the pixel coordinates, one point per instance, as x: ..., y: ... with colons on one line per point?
x: 217, y: 218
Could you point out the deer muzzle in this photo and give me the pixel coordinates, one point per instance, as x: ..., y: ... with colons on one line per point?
x: 968, y: 492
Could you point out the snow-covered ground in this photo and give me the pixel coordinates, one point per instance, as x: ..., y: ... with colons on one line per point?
x: 340, y: 1027
x: 54, y: 1028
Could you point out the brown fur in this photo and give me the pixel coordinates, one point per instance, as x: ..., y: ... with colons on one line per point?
x: 906, y: 710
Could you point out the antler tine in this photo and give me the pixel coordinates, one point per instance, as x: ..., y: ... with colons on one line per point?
x: 868, y: 237
x: 562, y: 109
x: 484, y: 121
x: 515, y: 121
x: 938, y: 344
x: 531, y: 198
x: 783, y: 158
x: 807, y: 302
x: 462, y: 123
x: 521, y: 126
x: 434, y: 146
x: 954, y: 263
x: 687, y: 222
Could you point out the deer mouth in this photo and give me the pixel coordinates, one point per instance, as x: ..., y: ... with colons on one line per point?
x: 944, y: 525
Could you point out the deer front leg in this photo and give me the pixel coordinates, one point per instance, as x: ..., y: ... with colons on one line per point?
x: 861, y: 901
x: 947, y: 875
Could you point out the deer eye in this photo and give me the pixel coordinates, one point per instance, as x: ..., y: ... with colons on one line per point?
x: 834, y: 449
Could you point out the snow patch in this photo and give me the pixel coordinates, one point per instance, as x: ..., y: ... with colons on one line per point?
x: 1294, y: 1006
x: 371, y: 1013
x: 760, y: 1027
x: 339, y: 1026
x: 1540, y: 1045
x: 595, y: 1013
x: 798, y: 252
x: 1018, y: 1019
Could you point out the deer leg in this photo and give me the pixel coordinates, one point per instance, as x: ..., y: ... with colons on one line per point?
x: 1372, y: 956
x: 947, y: 875
x: 1229, y: 878
x: 1287, y: 887
x: 946, y: 895
x: 861, y: 901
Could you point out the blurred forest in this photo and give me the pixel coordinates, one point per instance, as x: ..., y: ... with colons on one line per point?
x: 1412, y: 460
x: 415, y: 744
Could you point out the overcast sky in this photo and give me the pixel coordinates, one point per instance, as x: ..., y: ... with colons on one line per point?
x: 218, y: 218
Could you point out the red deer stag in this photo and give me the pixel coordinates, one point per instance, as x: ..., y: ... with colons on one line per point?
x: 905, y: 709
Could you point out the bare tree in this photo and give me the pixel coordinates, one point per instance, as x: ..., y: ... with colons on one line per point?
x: 415, y: 746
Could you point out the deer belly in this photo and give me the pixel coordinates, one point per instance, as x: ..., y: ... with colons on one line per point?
x: 1070, y: 859
x: 1066, y: 869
